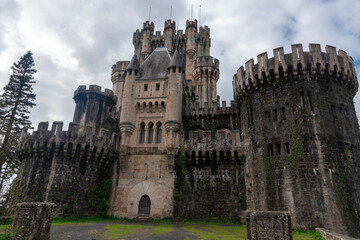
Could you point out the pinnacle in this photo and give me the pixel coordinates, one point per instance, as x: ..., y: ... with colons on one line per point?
x: 134, y: 63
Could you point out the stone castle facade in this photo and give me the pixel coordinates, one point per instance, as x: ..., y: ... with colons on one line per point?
x: 160, y: 144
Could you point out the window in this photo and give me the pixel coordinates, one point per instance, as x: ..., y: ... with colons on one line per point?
x: 142, y: 132
x: 287, y: 148
x: 310, y: 101
x: 302, y: 100
x: 250, y: 116
x: 158, y: 132
x: 151, y: 132
x: 283, y: 114
x: 267, y: 116
x: 274, y: 112
x: 271, y: 150
x: 145, y: 87
x: 157, y: 86
x: 278, y: 149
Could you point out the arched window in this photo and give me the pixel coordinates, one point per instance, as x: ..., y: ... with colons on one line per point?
x: 142, y: 132
x: 158, y: 132
x: 151, y: 132
x: 144, y: 206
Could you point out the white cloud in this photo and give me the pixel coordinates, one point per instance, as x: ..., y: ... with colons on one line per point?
x: 76, y: 42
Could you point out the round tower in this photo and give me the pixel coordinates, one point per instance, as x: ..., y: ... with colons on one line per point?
x: 93, y: 107
x: 127, y: 115
x: 174, y: 96
x: 118, y: 74
x: 205, y: 74
x: 169, y: 30
x: 190, y: 32
x: 301, y: 136
x: 146, y: 33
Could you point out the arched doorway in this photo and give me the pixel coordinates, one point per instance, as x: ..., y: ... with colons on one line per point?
x: 144, y: 206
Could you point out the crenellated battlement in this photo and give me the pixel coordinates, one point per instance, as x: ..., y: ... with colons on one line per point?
x: 169, y: 24
x: 148, y: 26
x: 204, y: 31
x: 207, y: 61
x: 81, y: 90
x: 55, y: 137
x: 297, y: 63
x: 211, y: 109
x: 119, y: 66
x: 191, y: 24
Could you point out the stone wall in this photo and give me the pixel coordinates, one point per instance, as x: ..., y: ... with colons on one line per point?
x: 70, y: 168
x: 213, y: 190
x: 146, y: 171
x: 301, y: 140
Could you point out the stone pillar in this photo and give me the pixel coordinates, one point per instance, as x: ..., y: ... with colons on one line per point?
x: 268, y: 225
x: 32, y: 220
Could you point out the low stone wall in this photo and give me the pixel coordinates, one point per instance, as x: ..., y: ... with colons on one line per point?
x: 268, y: 225
x: 32, y: 220
x: 328, y: 235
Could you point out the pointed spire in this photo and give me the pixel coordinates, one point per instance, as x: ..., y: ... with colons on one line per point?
x: 175, y: 61
x: 134, y: 63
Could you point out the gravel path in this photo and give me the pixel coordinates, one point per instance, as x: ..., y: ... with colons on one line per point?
x: 133, y: 231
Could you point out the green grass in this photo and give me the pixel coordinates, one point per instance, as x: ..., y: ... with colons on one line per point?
x: 73, y: 220
x: 162, y: 228
x: 306, y: 235
x: 131, y: 231
x: 116, y: 231
x: 214, y: 232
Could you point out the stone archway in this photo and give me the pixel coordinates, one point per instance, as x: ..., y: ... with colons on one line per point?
x: 144, y: 206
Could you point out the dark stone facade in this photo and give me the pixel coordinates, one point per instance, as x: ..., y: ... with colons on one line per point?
x: 32, y: 221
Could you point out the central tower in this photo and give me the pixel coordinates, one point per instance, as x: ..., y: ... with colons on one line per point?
x: 149, y: 93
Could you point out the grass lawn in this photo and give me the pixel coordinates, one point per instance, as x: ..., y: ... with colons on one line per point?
x: 122, y: 229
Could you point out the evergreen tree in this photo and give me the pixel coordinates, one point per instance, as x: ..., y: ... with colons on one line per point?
x: 14, y: 112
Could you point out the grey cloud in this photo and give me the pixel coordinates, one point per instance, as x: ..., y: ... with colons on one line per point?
x: 100, y: 33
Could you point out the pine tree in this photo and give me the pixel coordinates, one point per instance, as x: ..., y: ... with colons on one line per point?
x: 14, y: 114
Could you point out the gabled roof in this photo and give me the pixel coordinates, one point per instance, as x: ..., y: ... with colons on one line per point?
x: 155, y: 66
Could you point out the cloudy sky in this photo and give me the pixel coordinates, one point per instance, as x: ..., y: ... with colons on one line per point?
x: 76, y: 42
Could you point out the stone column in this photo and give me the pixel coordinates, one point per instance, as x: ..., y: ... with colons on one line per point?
x: 268, y: 225
x: 32, y: 220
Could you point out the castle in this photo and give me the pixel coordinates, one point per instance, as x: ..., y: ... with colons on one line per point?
x: 160, y: 144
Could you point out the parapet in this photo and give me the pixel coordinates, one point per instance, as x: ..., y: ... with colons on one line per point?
x: 191, y: 24
x: 213, y: 108
x: 148, y: 26
x: 207, y: 61
x: 298, y: 62
x: 119, y: 66
x: 204, y: 31
x: 56, y: 136
x: 107, y: 93
x: 169, y: 24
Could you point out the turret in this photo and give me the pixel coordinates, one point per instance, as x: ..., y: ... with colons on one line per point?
x: 203, y: 44
x: 118, y: 74
x: 206, y: 74
x: 169, y: 29
x: 175, y: 86
x: 92, y: 106
x: 191, y: 30
x: 127, y: 115
x: 147, y: 31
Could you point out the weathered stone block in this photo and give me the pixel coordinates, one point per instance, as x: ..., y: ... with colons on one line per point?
x: 32, y: 220
x: 268, y: 225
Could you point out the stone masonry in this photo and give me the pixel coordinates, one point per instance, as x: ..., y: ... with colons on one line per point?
x: 161, y: 144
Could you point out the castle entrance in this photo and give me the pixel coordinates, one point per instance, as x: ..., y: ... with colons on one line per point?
x: 144, y: 206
